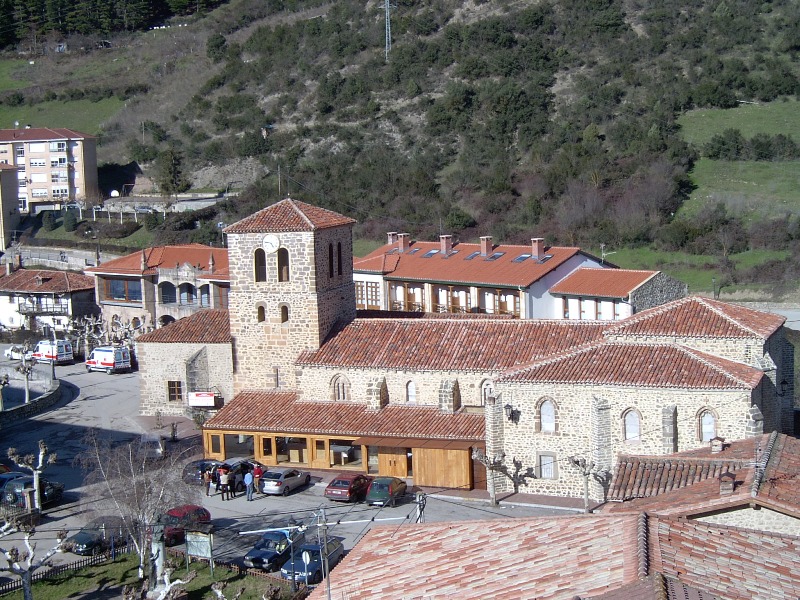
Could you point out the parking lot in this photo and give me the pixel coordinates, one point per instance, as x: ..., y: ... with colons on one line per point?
x: 110, y: 404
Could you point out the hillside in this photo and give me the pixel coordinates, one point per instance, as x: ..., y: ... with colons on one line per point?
x: 502, y: 117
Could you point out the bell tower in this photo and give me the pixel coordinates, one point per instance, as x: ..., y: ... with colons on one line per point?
x: 291, y: 276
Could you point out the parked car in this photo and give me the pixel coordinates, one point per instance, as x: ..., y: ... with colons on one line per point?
x: 7, y: 476
x: 97, y: 536
x: 14, y: 352
x: 49, y: 491
x: 273, y: 549
x: 305, y: 563
x: 282, y: 481
x: 111, y: 359
x: 179, y: 519
x: 348, y: 487
x: 386, y: 490
x: 237, y: 467
x: 58, y: 351
x: 193, y: 471
x: 152, y: 446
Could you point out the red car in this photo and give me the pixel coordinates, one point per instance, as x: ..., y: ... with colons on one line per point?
x: 179, y: 519
x: 348, y: 487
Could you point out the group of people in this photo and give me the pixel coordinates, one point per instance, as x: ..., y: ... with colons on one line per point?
x: 224, y: 481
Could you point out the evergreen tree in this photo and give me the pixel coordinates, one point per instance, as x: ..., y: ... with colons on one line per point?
x: 169, y: 172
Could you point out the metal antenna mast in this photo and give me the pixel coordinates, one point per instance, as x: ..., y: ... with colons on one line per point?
x: 387, y: 8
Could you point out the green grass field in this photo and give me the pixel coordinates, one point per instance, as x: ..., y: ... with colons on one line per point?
x: 12, y: 74
x: 81, y: 115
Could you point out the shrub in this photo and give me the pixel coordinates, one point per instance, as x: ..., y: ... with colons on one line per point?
x: 48, y: 220
x: 70, y: 221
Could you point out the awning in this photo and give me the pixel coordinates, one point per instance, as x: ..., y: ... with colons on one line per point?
x: 398, y: 442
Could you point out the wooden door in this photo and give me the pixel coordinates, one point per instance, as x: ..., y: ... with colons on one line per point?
x: 392, y: 462
x: 214, y: 446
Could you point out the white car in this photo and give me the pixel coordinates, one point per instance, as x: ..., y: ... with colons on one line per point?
x: 15, y: 352
x: 283, y: 481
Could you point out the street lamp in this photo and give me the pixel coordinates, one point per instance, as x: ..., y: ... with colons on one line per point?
x: 92, y: 234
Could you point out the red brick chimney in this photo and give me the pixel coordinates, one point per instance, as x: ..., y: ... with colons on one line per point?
x: 392, y: 237
x: 446, y: 243
x: 403, y: 241
x: 486, y: 245
x: 726, y: 481
x: 537, y: 248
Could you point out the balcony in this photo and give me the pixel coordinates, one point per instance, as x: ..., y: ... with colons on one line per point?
x: 451, y: 308
x: 43, y: 308
x: 408, y: 306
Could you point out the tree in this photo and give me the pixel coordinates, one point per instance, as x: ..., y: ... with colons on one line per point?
x: 216, y: 47
x: 48, y: 220
x: 135, y: 487
x: 36, y: 463
x: 70, y: 221
x: 25, y: 563
x: 169, y: 172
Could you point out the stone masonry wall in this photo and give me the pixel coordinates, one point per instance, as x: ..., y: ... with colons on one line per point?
x: 168, y: 362
x: 658, y: 290
x: 763, y: 519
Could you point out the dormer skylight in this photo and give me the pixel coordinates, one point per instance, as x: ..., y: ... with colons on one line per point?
x: 495, y: 256
x: 452, y: 252
x: 393, y: 251
x: 521, y: 257
x: 414, y: 251
x: 430, y: 253
x: 545, y: 258
x: 473, y: 255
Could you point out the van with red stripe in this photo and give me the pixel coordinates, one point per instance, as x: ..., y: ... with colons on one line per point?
x: 57, y: 351
x: 111, y: 359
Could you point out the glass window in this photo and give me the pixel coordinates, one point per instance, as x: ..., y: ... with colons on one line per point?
x: 221, y: 296
x: 708, y: 426
x: 411, y: 392
x: 284, y: 314
x: 260, y: 260
x: 283, y: 264
x: 547, y: 413
x: 341, y: 388
x: 123, y: 290
x: 174, y: 391
x: 261, y: 314
x: 205, y: 296
x: 187, y: 293
x: 547, y: 466
x: 487, y: 389
x: 339, y: 258
x: 632, y: 425
x: 330, y: 260
x: 168, y: 293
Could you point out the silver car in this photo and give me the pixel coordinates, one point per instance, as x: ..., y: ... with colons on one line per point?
x: 282, y: 481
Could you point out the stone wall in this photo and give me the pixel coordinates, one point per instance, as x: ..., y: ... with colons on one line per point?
x: 161, y: 363
x: 37, y: 405
x: 761, y: 519
x: 657, y: 290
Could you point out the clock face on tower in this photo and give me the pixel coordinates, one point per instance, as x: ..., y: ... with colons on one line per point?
x: 271, y: 243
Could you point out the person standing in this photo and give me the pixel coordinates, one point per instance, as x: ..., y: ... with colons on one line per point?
x: 223, y: 482
x: 207, y: 481
x: 258, y: 472
x: 248, y: 482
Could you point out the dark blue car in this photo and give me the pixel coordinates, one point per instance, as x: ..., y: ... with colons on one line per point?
x: 305, y: 565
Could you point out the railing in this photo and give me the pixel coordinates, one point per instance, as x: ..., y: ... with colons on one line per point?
x: 43, y: 308
x: 450, y: 308
x: 408, y: 306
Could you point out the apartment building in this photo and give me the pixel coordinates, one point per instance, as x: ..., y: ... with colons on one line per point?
x: 54, y: 166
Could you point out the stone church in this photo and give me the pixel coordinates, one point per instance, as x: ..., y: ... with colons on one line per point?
x: 301, y: 378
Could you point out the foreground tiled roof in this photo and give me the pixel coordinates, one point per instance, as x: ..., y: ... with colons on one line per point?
x: 203, y: 327
x: 641, y: 365
x: 602, y: 283
x: 35, y: 281
x: 281, y: 411
x: 694, y: 316
x: 166, y: 257
x: 556, y: 557
x: 35, y: 134
x: 654, y: 587
x: 289, y: 215
x: 458, y: 269
x: 449, y: 344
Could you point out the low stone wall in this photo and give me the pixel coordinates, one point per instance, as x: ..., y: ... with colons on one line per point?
x: 39, y: 404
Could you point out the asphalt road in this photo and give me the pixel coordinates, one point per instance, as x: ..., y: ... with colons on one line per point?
x: 110, y: 404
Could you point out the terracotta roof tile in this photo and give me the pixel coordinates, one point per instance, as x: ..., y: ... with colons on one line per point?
x: 52, y: 282
x: 448, y: 344
x: 281, y: 411
x: 166, y: 257
x: 35, y: 134
x: 601, y: 283
x: 289, y: 215
x: 203, y: 327
x: 694, y: 316
x: 545, y: 558
x: 655, y: 587
x: 643, y: 365
x: 459, y: 269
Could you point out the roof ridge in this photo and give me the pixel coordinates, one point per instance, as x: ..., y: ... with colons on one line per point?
x: 553, y: 358
x: 299, y: 211
x: 703, y: 357
x: 760, y: 465
x: 727, y: 317
x: 649, y: 313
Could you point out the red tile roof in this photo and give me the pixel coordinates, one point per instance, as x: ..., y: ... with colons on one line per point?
x: 289, y: 215
x: 694, y: 316
x: 5, y: 167
x: 641, y: 365
x: 52, y: 282
x: 449, y: 344
x: 601, y: 283
x: 556, y: 557
x: 654, y: 587
x: 35, y: 134
x: 166, y: 257
x: 281, y: 411
x: 204, y: 327
x: 456, y: 269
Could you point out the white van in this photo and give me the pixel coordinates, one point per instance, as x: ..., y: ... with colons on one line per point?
x: 151, y: 445
x: 111, y: 359
x: 58, y: 351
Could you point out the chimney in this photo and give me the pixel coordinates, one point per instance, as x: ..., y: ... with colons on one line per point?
x: 717, y: 444
x: 211, y: 263
x: 537, y: 248
x: 403, y: 241
x: 726, y: 481
x: 446, y: 243
x: 143, y: 262
x: 9, y: 268
x: 392, y: 237
x: 486, y: 245
x: 38, y: 279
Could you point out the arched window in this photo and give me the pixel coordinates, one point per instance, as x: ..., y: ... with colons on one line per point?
x: 261, y: 314
x: 284, y: 313
x: 340, y: 388
x: 339, y: 257
x: 632, y: 425
x: 187, y: 292
x: 168, y: 293
x: 283, y: 264
x: 411, y: 392
x: 706, y: 425
x: 205, y: 296
x: 487, y: 389
x: 165, y: 320
x: 136, y: 322
x: 547, y: 416
x: 330, y: 260
x: 260, y: 263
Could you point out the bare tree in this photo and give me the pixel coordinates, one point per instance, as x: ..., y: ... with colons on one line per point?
x: 135, y: 487
x: 25, y: 563
x: 25, y: 368
x: 89, y: 330
x: 36, y: 463
x: 515, y: 472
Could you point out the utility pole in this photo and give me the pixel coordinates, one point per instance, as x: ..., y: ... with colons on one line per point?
x: 387, y: 8
x: 421, y: 501
x: 324, y: 551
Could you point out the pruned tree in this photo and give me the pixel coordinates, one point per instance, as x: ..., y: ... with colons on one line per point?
x: 25, y: 368
x: 515, y: 472
x: 25, y: 563
x: 168, y: 591
x: 36, y: 463
x: 89, y: 330
x: 135, y: 487
x: 126, y: 332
